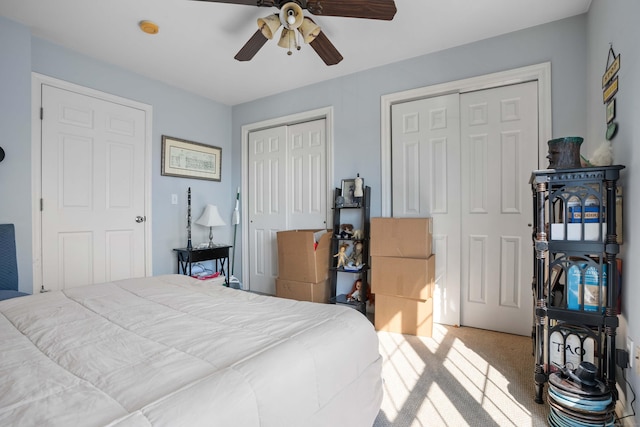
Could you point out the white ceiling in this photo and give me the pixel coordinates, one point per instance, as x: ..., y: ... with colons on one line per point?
x: 197, y: 41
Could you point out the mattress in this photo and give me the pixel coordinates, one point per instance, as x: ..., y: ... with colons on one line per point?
x: 174, y: 351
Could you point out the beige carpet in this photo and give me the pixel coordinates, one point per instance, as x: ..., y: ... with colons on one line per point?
x: 459, y: 377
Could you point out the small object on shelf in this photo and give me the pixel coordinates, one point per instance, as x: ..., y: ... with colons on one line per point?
x: 358, y: 190
x: 206, y: 276
x: 346, y: 231
x: 564, y: 153
x: 356, y: 255
x: 342, y: 255
x: 356, y: 292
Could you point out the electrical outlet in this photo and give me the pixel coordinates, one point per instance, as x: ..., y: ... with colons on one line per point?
x: 632, y: 355
x: 174, y: 199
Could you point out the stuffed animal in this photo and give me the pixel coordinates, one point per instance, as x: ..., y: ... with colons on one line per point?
x: 358, y: 234
x: 356, y: 255
x: 346, y: 231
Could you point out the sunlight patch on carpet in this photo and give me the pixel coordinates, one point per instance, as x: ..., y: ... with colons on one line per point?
x: 440, y: 381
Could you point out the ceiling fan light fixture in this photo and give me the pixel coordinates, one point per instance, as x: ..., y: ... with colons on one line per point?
x: 291, y: 15
x: 269, y: 25
x: 309, y: 30
x: 288, y: 39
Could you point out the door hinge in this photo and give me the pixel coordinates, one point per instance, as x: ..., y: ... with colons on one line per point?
x: 41, y: 113
x: 41, y: 205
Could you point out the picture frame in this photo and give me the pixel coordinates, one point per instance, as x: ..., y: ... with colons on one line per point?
x: 611, y: 110
x: 188, y: 159
x: 348, y: 186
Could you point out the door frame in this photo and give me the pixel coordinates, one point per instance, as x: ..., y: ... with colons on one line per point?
x: 325, y: 113
x: 37, y: 80
x: 538, y: 72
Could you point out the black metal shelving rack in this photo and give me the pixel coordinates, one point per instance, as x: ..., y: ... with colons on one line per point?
x: 362, y: 273
x: 575, y: 241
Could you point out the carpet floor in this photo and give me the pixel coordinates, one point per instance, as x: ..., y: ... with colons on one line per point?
x: 459, y: 377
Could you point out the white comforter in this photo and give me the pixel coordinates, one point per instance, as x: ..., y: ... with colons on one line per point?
x: 173, y: 351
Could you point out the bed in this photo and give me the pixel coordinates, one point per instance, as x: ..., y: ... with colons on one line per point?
x: 174, y: 351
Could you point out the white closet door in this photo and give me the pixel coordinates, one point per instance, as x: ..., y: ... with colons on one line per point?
x: 426, y: 182
x: 92, y: 189
x: 307, y: 175
x: 287, y: 190
x: 499, y: 150
x: 465, y: 160
x: 267, y: 204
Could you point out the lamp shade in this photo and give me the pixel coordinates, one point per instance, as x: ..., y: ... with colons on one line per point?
x: 269, y: 25
x: 287, y: 39
x: 291, y: 15
x: 210, y: 217
x: 309, y: 30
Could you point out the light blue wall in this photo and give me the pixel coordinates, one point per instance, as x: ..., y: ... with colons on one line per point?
x: 356, y: 98
x: 617, y: 23
x: 15, y: 139
x: 175, y: 112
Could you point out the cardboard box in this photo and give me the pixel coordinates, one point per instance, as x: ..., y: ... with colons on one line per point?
x: 300, y: 259
x: 303, y: 291
x: 403, y: 277
x: 401, y: 237
x: 404, y: 315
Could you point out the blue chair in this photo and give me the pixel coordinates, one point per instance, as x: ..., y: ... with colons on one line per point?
x: 8, y: 263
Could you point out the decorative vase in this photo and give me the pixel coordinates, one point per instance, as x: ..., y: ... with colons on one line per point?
x: 564, y: 153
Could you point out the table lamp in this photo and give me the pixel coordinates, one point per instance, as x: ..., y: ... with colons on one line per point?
x: 210, y: 218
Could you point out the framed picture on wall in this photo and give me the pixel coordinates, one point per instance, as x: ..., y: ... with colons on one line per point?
x: 611, y: 110
x: 188, y: 159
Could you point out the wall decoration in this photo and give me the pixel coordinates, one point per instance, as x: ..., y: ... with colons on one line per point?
x: 612, y: 69
x: 611, y: 110
x: 189, y: 159
x: 609, y: 90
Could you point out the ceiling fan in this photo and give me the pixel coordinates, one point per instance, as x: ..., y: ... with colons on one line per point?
x: 291, y: 18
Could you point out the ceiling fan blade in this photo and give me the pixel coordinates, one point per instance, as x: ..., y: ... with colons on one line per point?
x: 266, y: 3
x: 251, y: 47
x: 367, y: 9
x: 325, y: 49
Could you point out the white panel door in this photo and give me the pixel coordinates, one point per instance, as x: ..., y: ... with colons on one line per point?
x: 499, y: 135
x: 92, y: 190
x: 287, y: 191
x: 307, y: 166
x: 267, y: 204
x: 426, y: 182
